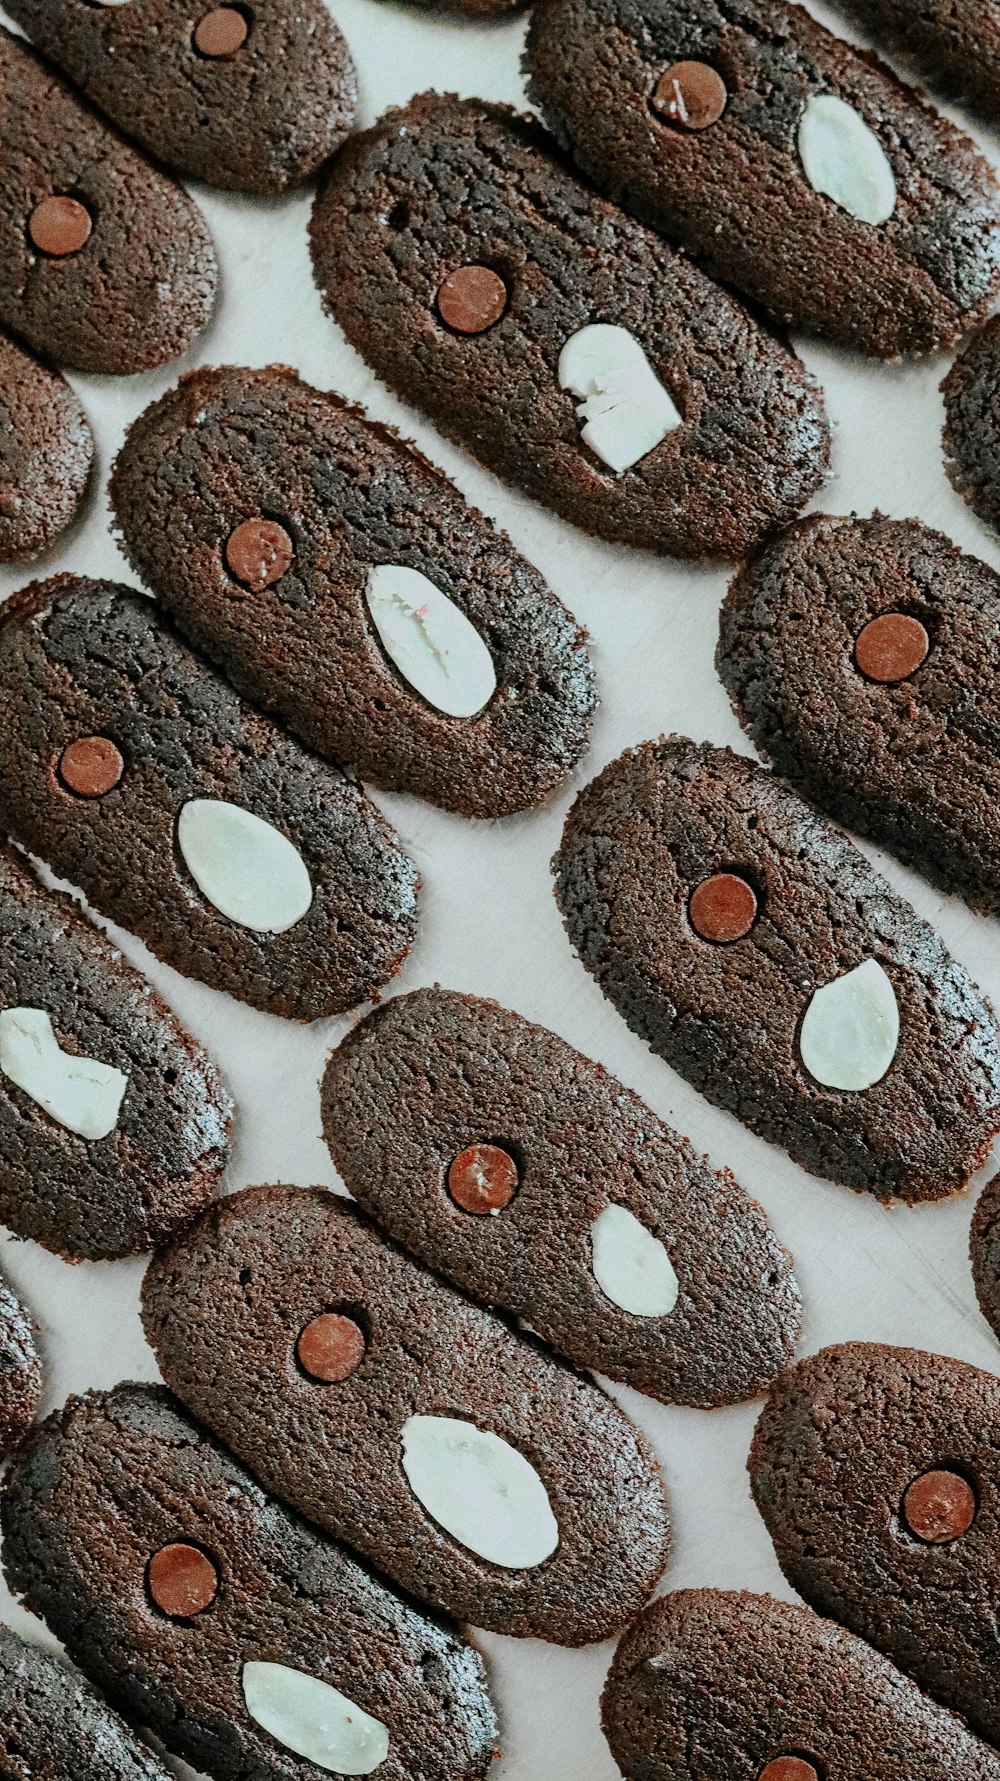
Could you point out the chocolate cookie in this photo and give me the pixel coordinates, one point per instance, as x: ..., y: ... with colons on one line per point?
x: 105, y: 264
x: 45, y: 454
x: 793, y: 166
x: 954, y: 45
x: 251, y: 100
x: 859, y: 656
x: 133, y: 769
x: 251, y: 1645
x: 342, y: 582
x: 114, y: 1124
x: 877, y: 1471
x: 569, y: 349
x: 530, y: 1178
x: 758, y: 952
x: 726, y: 1686
x: 971, y: 437
x: 479, y: 1475
x: 53, y: 1727
x: 20, y: 1377
x: 984, y: 1247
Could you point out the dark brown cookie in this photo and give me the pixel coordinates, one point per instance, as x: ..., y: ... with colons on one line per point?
x: 824, y: 187
x: 984, y: 1248
x: 293, y: 540
x: 53, y: 1727
x: 135, y: 771
x: 220, y: 1621
x: 971, y: 437
x: 253, y: 99
x: 877, y: 1471
x: 530, y: 1178
x: 836, y: 1025
x: 953, y: 45
x: 860, y: 658
x: 619, y: 386
x: 726, y: 1686
x: 46, y: 451
x: 481, y: 1476
x: 20, y: 1379
x: 105, y: 264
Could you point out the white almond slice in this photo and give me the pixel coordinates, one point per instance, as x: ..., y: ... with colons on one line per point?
x: 430, y: 641
x: 314, y: 1719
x: 246, y: 868
x: 844, y: 159
x: 480, y: 1490
x: 80, y: 1093
x: 624, y: 409
x: 631, y: 1266
x: 851, y: 1029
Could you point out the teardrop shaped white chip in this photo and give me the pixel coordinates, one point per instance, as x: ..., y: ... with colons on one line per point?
x: 80, y: 1093
x: 624, y: 409
x: 314, y: 1719
x: 844, y: 159
x: 430, y: 640
x: 481, y: 1490
x: 246, y: 867
x: 631, y: 1266
x: 851, y: 1029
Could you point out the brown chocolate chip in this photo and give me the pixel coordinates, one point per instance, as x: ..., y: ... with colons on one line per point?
x: 483, y: 1179
x: 788, y: 1768
x: 59, y: 226
x: 331, y: 1348
x: 691, y: 94
x: 938, y: 1507
x: 182, y: 1580
x: 891, y: 647
x: 723, y: 908
x: 471, y: 299
x: 259, y: 552
x: 221, y: 32
x: 91, y: 766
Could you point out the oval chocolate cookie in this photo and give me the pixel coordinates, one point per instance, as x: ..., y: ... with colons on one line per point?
x: 727, y: 1686
x: 46, y: 451
x: 758, y: 952
x: 135, y: 771
x: 342, y: 582
x: 860, y: 658
x: 478, y: 1474
x: 114, y: 1124
x: 971, y: 436
x: 20, y: 1376
x: 985, y: 1253
x: 53, y: 1727
x: 877, y: 1471
x: 105, y: 264
x: 953, y: 45
x: 251, y: 99
x: 569, y: 349
x: 529, y: 1177
x: 251, y: 1645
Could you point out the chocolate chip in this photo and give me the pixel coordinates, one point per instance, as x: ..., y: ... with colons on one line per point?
x: 723, y: 908
x: 891, y: 647
x: 471, y: 299
x: 221, y: 32
x: 939, y: 1506
x: 91, y: 766
x: 483, y: 1179
x: 259, y: 552
x: 182, y: 1580
x: 331, y: 1348
x: 788, y: 1768
x: 691, y: 94
x: 59, y: 226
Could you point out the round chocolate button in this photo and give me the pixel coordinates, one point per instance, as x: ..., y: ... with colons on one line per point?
x: 723, y: 908
x: 331, y: 1348
x: 483, y: 1179
x: 59, y: 226
x: 183, y: 1581
x: 938, y: 1507
x: 91, y: 766
x: 221, y: 32
x: 471, y: 299
x: 258, y: 553
x: 891, y: 647
x: 691, y: 94
x: 788, y: 1768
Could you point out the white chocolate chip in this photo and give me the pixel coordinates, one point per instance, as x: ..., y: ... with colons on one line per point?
x: 80, y: 1093
x: 624, y: 409
x: 430, y: 640
x: 845, y: 160
x: 314, y: 1719
x: 631, y: 1266
x: 851, y: 1029
x: 246, y: 868
x: 480, y: 1490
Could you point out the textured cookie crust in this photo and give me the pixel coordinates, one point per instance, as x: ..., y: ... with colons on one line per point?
x: 664, y: 817
x: 229, y: 445
x: 914, y: 765
x: 448, y: 182
x: 112, y: 1478
x: 954, y: 45
x: 736, y: 194
x: 431, y: 1073
x: 971, y: 437
x: 53, y: 1727
x: 223, y: 1307
x: 984, y: 1249
x: 717, y: 1684
x: 46, y: 451
x: 840, y: 1440
x: 81, y: 658
x: 20, y: 1377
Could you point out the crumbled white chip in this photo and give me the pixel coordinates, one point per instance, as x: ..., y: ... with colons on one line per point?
x: 79, y: 1093
x: 624, y: 410
x: 314, y: 1719
x: 844, y: 159
x: 851, y: 1029
x: 246, y: 867
x: 430, y: 641
x: 480, y: 1490
x: 631, y: 1266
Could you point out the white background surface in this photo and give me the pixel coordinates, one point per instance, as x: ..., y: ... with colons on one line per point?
x: 489, y: 922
